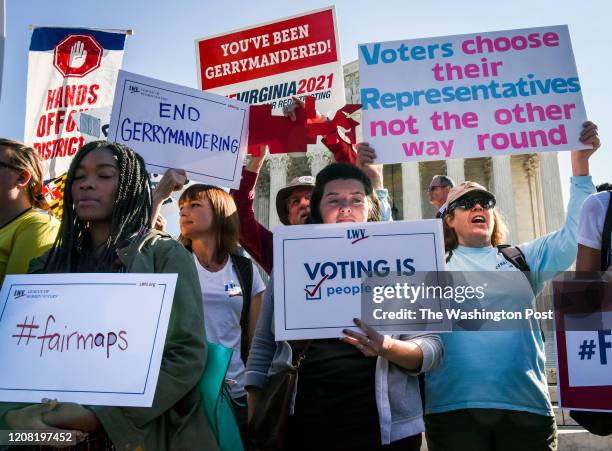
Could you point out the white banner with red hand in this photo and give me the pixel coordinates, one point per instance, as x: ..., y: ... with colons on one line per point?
x: 69, y: 70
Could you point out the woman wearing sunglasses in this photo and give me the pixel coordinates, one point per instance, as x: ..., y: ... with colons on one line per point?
x: 490, y: 391
x: 24, y: 232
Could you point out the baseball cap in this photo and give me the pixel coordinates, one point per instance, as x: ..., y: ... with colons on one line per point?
x: 462, y: 190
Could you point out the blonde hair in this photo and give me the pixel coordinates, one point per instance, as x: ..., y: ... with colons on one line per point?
x: 26, y: 159
x: 498, y: 236
x: 225, y: 218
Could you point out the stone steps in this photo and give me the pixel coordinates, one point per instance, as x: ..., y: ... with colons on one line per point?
x: 575, y: 438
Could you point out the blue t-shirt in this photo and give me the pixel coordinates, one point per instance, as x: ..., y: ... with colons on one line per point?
x: 505, y: 369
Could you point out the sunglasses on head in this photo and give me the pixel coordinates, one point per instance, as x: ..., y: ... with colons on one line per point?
x: 470, y: 202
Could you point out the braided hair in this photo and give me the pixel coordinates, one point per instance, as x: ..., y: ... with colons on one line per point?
x: 132, y: 211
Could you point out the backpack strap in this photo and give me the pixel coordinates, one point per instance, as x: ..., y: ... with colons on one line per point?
x: 606, y: 237
x: 244, y: 270
x: 514, y: 255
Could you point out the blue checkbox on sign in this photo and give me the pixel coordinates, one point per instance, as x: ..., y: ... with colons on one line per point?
x: 313, y: 292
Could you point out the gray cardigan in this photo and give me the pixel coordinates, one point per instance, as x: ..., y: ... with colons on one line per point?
x: 396, y: 389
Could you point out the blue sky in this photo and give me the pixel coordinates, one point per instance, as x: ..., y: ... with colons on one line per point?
x: 163, y: 44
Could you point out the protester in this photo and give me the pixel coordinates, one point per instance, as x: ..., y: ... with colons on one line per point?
x: 594, y: 250
x: 490, y: 392
x: 24, y: 232
x: 106, y: 228
x: 293, y: 201
x: 231, y: 286
x: 346, y: 400
x: 438, y: 192
x: 594, y: 255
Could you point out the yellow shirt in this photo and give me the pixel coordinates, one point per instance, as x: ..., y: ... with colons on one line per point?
x: 24, y: 238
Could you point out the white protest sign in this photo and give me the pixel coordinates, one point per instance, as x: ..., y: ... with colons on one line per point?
x: 473, y: 95
x: 271, y: 62
x: 320, y: 270
x: 94, y: 339
x: 172, y: 126
x: 588, y: 363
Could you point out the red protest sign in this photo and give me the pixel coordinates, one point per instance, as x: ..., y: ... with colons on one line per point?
x: 271, y: 63
x: 266, y: 50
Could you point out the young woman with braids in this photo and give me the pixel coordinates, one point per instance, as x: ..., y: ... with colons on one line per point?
x: 24, y: 232
x: 105, y: 228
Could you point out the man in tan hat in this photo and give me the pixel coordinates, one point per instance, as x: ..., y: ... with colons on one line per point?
x: 293, y: 201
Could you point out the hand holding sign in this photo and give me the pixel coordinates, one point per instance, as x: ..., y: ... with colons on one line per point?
x: 370, y: 344
x: 69, y: 415
x: 365, y: 161
x: 173, y: 180
x: 580, y: 158
x: 30, y: 417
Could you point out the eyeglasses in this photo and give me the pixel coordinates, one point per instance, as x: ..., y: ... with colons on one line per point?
x: 468, y: 203
x: 9, y: 166
x: 432, y: 188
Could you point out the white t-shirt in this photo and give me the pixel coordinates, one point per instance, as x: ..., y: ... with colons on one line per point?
x: 592, y: 220
x: 222, y: 299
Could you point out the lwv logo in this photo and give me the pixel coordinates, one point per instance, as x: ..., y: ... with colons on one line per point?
x: 19, y: 294
x: 356, y: 235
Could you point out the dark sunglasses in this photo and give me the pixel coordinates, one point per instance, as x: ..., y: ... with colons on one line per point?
x: 470, y: 202
x: 9, y: 166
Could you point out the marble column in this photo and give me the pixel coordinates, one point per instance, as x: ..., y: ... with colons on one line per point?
x: 502, y: 188
x: 554, y: 212
x: 455, y: 169
x: 532, y: 169
x: 261, y: 206
x: 278, y: 179
x: 411, y: 190
x: 318, y: 157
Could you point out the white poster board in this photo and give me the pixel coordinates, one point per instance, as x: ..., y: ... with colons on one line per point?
x: 472, y: 95
x: 94, y: 339
x: 70, y: 70
x: 173, y: 126
x: 319, y: 271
